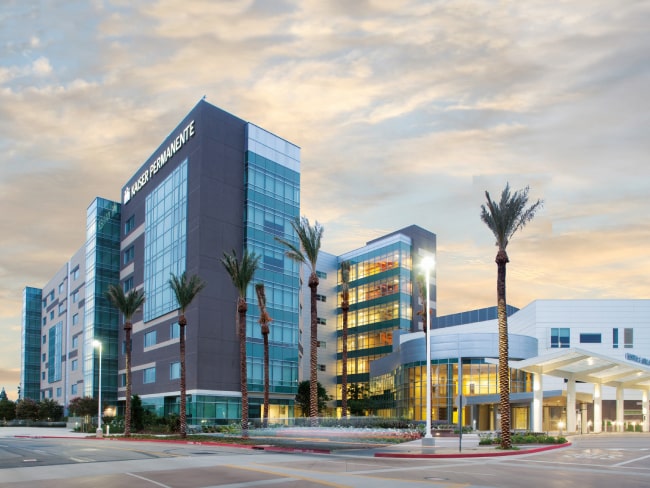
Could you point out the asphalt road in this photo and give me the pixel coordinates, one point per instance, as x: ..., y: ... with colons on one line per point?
x: 606, y: 461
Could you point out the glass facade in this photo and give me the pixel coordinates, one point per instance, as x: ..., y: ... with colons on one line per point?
x: 272, y: 186
x: 402, y: 393
x: 100, y: 317
x: 55, y: 352
x: 380, y: 299
x: 165, y: 241
x: 30, y: 382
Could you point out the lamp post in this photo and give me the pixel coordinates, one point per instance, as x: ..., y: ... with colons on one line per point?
x: 427, y: 264
x: 98, y: 345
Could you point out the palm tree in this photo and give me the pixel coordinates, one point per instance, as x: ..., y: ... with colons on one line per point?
x: 345, y: 307
x: 241, y: 274
x: 265, y: 319
x: 504, y: 219
x: 128, y: 304
x: 185, y: 290
x: 309, y: 239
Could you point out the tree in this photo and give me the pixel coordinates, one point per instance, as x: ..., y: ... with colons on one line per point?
x: 265, y: 320
x: 138, y: 413
x: 27, y: 409
x: 309, y: 239
x: 241, y: 274
x: 359, y: 399
x: 49, y: 410
x: 185, y: 289
x: 82, y: 406
x: 128, y: 304
x: 504, y: 218
x: 345, y: 307
x: 303, y: 397
x: 7, y: 409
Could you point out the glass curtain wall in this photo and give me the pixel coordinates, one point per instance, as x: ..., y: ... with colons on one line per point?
x: 101, y: 318
x: 380, y: 303
x: 403, y: 392
x: 272, y: 185
x: 30, y: 382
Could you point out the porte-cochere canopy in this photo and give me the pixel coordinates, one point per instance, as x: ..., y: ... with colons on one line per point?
x: 590, y: 367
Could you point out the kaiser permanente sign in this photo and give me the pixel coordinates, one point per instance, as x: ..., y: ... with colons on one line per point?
x: 160, y: 161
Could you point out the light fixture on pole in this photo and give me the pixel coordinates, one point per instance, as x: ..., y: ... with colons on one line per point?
x: 98, y: 345
x: 427, y: 265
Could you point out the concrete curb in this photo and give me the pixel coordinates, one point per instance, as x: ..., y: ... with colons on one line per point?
x: 469, y: 455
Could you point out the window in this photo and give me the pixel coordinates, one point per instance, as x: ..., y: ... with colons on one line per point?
x: 51, y: 314
x: 43, y: 375
x: 73, y: 389
x: 128, y: 284
x: 75, y: 342
x: 58, y: 392
x: 322, y: 344
x: 122, y: 380
x: 44, y: 321
x: 44, y: 338
x: 129, y: 254
x: 321, y: 321
x: 129, y: 224
x: 321, y: 298
x: 615, y: 338
x: 150, y: 339
x: 174, y: 370
x: 75, y: 319
x: 75, y: 365
x: 628, y: 338
x: 590, y: 339
x: 60, y: 288
x: 321, y: 367
x: 75, y: 273
x: 174, y: 331
x: 61, y: 308
x: 149, y: 375
x: 560, y: 337
x: 322, y: 275
x: 44, y: 357
x: 75, y: 296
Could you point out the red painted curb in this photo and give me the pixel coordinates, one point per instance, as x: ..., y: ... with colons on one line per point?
x: 470, y: 455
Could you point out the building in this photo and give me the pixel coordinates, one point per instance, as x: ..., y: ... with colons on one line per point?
x: 575, y: 365
x: 62, y: 320
x: 384, y: 300
x: 215, y: 185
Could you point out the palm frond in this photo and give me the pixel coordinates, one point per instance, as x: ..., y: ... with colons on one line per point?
x: 128, y: 304
x: 309, y: 239
x: 241, y: 272
x: 185, y: 289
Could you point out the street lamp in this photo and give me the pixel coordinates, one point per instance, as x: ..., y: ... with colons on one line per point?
x: 98, y: 345
x: 427, y: 265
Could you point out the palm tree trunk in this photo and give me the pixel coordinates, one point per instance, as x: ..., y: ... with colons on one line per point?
x: 504, y: 370
x: 345, y: 307
x: 183, y: 414
x: 241, y: 308
x: 127, y: 402
x: 266, y: 380
x: 313, y: 353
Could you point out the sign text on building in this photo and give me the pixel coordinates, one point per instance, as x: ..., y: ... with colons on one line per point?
x: 160, y: 161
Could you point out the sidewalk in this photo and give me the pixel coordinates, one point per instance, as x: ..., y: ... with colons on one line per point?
x: 40, y: 432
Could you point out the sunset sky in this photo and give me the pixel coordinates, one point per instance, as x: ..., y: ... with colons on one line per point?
x: 406, y: 112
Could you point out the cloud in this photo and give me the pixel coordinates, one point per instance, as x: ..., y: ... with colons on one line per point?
x: 406, y: 112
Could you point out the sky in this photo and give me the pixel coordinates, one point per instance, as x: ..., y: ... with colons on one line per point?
x: 406, y: 112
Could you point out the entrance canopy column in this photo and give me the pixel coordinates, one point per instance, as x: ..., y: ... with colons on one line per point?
x: 571, y: 406
x: 646, y: 421
x: 620, y: 411
x: 598, y: 408
x: 538, y: 402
